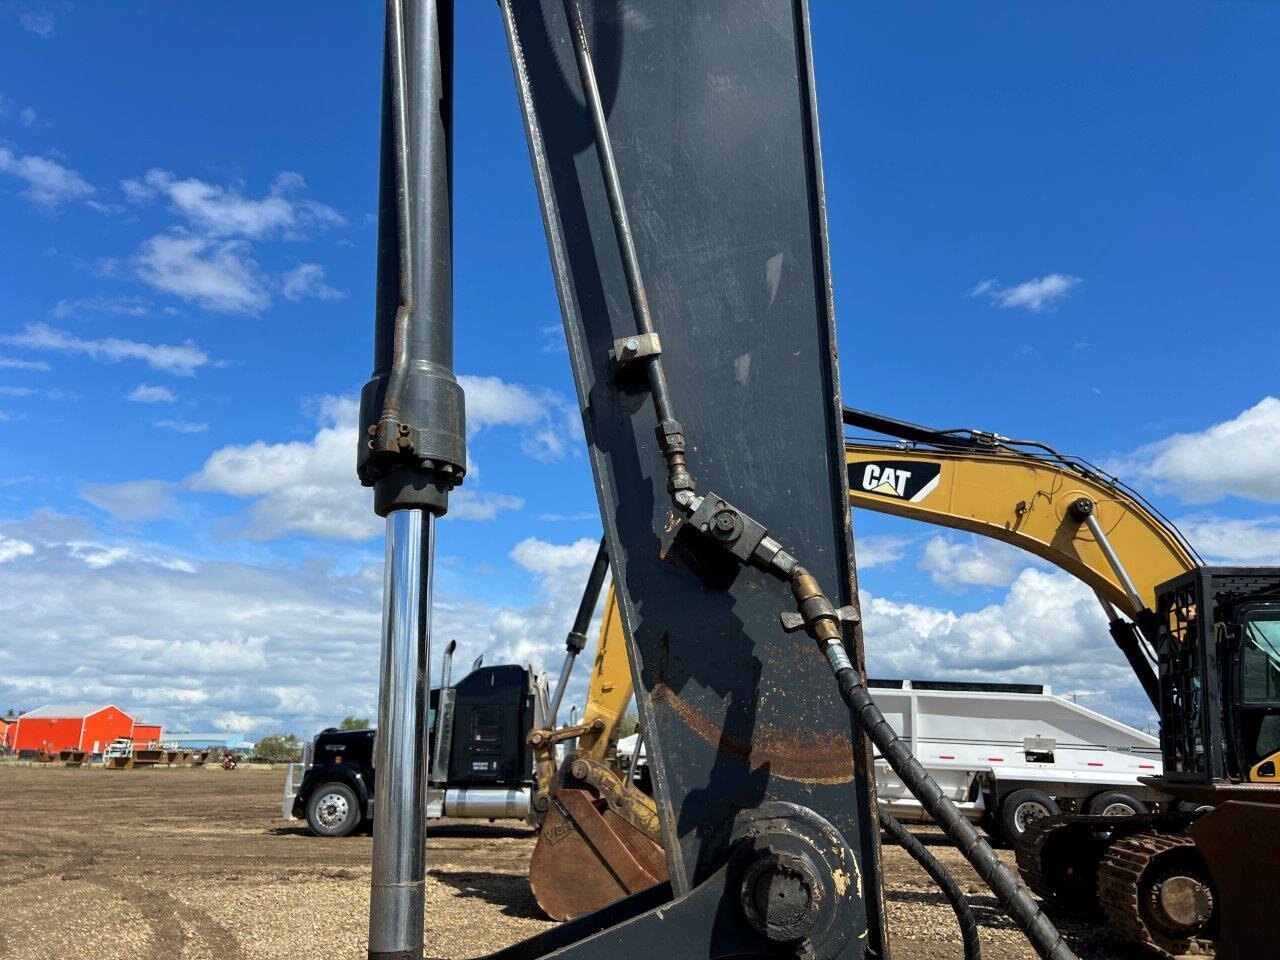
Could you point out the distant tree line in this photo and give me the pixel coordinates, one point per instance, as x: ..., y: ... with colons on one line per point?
x: 287, y: 748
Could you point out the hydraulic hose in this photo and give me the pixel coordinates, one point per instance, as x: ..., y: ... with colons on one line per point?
x: 940, y: 875
x: 1004, y: 883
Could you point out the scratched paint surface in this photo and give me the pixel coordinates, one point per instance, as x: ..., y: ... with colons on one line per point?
x: 709, y: 111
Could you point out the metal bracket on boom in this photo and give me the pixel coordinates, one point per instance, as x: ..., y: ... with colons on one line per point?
x: 628, y: 350
x: 794, y: 622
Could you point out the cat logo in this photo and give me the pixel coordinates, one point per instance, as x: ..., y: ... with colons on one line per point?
x: 908, y: 480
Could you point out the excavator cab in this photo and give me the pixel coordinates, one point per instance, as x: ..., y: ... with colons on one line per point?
x: 1219, y: 647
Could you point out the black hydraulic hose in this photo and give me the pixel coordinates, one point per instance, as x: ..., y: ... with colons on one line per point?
x: 940, y: 875
x: 1004, y: 883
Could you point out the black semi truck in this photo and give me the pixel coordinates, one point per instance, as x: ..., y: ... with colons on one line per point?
x: 483, y: 768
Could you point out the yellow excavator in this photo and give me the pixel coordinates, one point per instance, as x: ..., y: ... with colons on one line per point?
x: 1169, y: 880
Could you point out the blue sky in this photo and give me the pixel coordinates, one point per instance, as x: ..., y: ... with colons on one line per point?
x: 1054, y: 220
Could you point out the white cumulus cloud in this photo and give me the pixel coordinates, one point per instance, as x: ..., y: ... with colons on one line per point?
x: 1239, y: 457
x: 99, y: 556
x: 1047, y: 629
x: 12, y: 549
x: 880, y: 550
x: 307, y: 280
x: 226, y: 212
x: 146, y: 393
x: 256, y: 649
x: 1234, y: 540
x: 48, y: 183
x: 181, y: 360
x: 219, y: 275
x: 550, y: 422
x: 1034, y: 295
x: 974, y: 561
x: 310, y: 487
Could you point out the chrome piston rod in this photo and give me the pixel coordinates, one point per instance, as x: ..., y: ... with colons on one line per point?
x: 397, y: 896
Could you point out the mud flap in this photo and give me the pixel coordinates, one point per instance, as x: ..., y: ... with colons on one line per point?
x: 1240, y: 843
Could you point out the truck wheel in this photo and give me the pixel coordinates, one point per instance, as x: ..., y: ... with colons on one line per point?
x: 333, y: 810
x: 1113, y: 803
x: 1022, y: 808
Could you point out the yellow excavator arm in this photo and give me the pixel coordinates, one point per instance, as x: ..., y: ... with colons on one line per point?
x: 609, y: 689
x: 1025, y: 493
x: 1033, y: 504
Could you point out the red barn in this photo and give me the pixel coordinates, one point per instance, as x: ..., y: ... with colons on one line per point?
x: 7, y: 727
x: 147, y: 734
x: 71, y: 726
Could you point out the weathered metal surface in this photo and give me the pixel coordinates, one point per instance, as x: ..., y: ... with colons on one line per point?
x: 587, y: 857
x: 1240, y: 842
x: 712, y: 116
x: 599, y: 841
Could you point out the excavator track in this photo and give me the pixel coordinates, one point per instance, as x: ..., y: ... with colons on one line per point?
x: 1144, y: 873
x: 1154, y: 887
x: 1059, y: 856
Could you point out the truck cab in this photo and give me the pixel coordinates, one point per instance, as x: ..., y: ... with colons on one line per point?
x: 481, y: 765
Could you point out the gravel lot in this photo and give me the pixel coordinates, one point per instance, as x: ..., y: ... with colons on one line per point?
x: 189, y: 864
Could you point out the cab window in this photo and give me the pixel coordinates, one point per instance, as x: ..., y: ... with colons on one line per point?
x: 486, y: 725
x: 1260, y: 662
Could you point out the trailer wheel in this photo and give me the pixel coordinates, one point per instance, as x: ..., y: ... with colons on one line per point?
x: 1113, y: 803
x: 333, y: 810
x: 1022, y: 808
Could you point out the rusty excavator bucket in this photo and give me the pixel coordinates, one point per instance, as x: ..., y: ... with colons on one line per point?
x: 600, y: 841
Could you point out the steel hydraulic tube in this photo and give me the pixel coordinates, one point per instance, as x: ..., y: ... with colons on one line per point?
x: 412, y: 448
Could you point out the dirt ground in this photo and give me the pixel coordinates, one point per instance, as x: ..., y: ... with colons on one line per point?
x: 188, y: 864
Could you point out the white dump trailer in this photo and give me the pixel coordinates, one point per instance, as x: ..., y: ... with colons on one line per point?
x: 1007, y: 753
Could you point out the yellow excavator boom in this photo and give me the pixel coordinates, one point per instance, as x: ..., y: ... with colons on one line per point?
x: 1031, y: 503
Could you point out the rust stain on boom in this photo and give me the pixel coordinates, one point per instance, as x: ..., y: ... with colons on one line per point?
x: 802, y: 757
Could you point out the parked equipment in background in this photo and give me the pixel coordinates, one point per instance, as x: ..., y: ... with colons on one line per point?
x: 483, y: 769
x: 1204, y: 643
x: 117, y: 751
